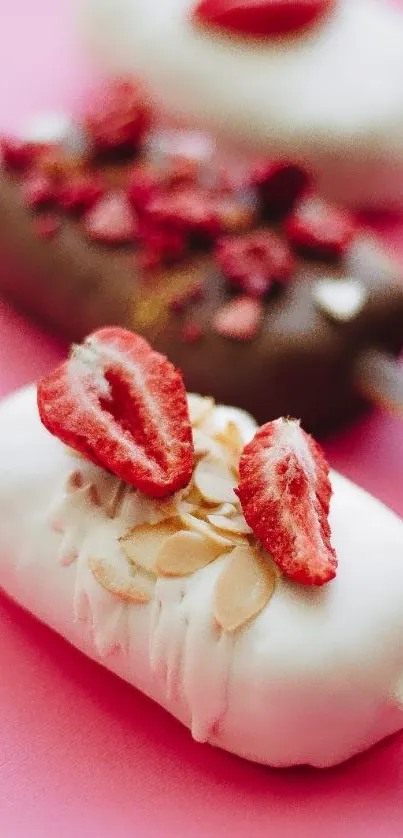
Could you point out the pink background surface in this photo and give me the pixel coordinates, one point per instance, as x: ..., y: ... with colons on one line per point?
x: 83, y: 754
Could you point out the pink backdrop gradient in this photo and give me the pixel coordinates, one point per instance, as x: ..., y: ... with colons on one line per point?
x: 83, y: 754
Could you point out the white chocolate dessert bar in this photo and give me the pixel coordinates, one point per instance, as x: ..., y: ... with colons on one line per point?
x: 330, y: 98
x: 251, y: 662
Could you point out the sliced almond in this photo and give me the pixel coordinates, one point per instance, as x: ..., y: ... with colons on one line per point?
x: 231, y: 437
x: 136, y: 589
x: 138, y: 507
x: 228, y: 509
x: 184, y: 553
x: 214, y: 480
x: 236, y: 524
x: 207, y: 531
x: 142, y: 544
x: 202, y: 443
x: 186, y: 507
x: 193, y: 496
x: 199, y: 407
x: 243, y: 589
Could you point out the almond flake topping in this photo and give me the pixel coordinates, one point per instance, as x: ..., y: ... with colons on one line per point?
x: 214, y: 480
x: 243, y: 589
x: 236, y: 525
x: 143, y: 544
x: 179, y: 535
x: 199, y: 408
x: 136, y: 589
x: 184, y: 553
x: 207, y: 531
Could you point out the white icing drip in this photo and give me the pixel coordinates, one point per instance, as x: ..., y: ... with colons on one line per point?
x: 187, y: 652
x: 167, y: 633
x: 206, y: 658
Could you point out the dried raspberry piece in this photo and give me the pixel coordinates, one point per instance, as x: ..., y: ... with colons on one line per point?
x: 317, y: 228
x: 17, y: 155
x: 144, y: 185
x: 261, y: 18
x: 38, y: 191
x: 46, y: 225
x: 189, y: 210
x: 192, y: 333
x: 239, y: 319
x: 124, y: 406
x: 80, y: 193
x: 119, y: 115
x: 284, y: 490
x: 255, y: 261
x: 161, y: 247
x: 111, y: 220
x: 279, y: 184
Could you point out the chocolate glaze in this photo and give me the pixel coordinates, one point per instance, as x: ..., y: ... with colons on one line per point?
x: 301, y: 362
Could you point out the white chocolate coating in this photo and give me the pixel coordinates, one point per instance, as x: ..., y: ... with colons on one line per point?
x: 315, y: 678
x: 331, y: 99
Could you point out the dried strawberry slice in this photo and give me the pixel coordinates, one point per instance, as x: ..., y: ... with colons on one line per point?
x: 144, y: 185
x: 279, y: 184
x: 239, y: 319
x: 124, y: 406
x: 111, y: 220
x: 161, y: 247
x: 191, y: 211
x: 285, y: 493
x: 317, y: 228
x: 255, y: 261
x: 119, y: 115
x: 80, y: 193
x: 38, y: 190
x: 18, y: 155
x: 261, y: 18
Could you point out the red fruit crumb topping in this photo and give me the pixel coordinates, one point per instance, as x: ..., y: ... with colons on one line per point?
x: 261, y: 18
x: 119, y: 116
x: 111, y: 220
x: 285, y: 492
x: 320, y: 229
x: 79, y: 193
x: 38, y: 190
x: 280, y: 185
x: 187, y: 210
x: 161, y: 247
x: 239, y: 319
x: 191, y: 333
x: 255, y: 261
x: 144, y: 185
x: 47, y: 225
x: 123, y: 406
x: 18, y: 156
